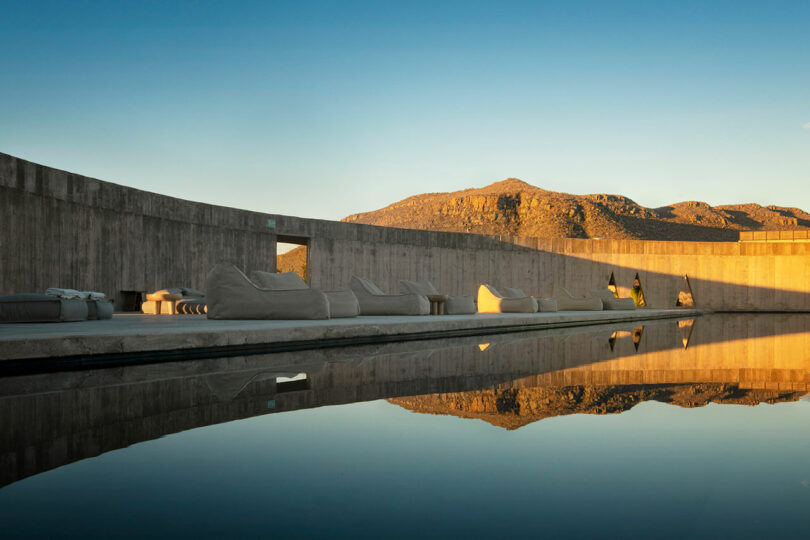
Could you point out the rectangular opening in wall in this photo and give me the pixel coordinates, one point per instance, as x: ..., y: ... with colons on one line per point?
x: 129, y: 301
x: 293, y: 256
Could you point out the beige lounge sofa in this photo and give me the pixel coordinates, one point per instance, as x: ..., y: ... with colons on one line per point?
x: 567, y: 302
x: 454, y: 305
x: 32, y: 308
x: 515, y: 292
x: 609, y: 300
x: 230, y: 294
x: 374, y: 301
x: 545, y: 305
x: 341, y: 303
x: 492, y: 301
x: 98, y: 307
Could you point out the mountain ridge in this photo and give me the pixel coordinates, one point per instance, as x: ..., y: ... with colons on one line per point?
x: 516, y: 208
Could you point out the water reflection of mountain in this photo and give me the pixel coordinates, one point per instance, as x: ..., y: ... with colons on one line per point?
x: 49, y: 420
x: 731, y: 359
x: 512, y: 408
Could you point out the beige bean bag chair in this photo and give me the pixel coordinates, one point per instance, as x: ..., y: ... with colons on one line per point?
x: 491, y: 301
x: 546, y: 305
x: 99, y: 309
x: 455, y: 305
x: 514, y: 292
x: 341, y: 303
x: 375, y: 302
x: 231, y: 295
x: 609, y: 300
x: 566, y: 302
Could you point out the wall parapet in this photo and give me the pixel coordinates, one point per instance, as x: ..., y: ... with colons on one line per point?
x: 50, y: 183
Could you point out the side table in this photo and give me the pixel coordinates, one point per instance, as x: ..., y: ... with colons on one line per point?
x: 437, y: 303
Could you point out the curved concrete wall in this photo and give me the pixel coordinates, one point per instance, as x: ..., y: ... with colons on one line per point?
x: 65, y: 230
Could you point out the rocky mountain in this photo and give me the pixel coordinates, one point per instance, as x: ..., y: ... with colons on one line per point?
x: 513, y: 207
x: 513, y: 408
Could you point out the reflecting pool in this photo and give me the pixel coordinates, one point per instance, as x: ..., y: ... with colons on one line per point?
x: 690, y: 428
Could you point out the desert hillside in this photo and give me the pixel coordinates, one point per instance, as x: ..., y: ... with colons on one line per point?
x: 294, y: 260
x: 513, y: 207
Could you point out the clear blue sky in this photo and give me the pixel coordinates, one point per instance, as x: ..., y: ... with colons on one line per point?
x: 330, y: 108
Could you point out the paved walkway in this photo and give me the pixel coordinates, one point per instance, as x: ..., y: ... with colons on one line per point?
x: 128, y: 337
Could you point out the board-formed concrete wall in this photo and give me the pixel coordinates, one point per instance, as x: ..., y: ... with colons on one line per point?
x: 59, y: 229
x: 722, y: 275
x: 733, y: 276
x: 65, y: 230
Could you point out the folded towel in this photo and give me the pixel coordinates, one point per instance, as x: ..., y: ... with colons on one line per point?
x: 73, y: 293
x: 64, y: 293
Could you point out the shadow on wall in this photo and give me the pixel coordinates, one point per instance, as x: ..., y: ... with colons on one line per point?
x: 665, y: 291
x: 725, y: 276
x: 767, y: 291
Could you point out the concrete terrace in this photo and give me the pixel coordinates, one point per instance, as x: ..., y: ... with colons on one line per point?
x: 135, y: 338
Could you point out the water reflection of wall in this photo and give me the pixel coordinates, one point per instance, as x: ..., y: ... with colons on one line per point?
x: 713, y: 364
x: 775, y: 356
x: 51, y: 420
x: 54, y: 419
x: 46, y: 431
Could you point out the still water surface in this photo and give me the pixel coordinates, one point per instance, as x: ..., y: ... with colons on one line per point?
x: 671, y: 429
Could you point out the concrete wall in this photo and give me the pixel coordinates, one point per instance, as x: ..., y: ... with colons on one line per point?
x: 722, y: 275
x: 61, y: 229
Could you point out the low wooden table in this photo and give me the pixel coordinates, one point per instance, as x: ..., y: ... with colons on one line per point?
x: 437, y: 303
